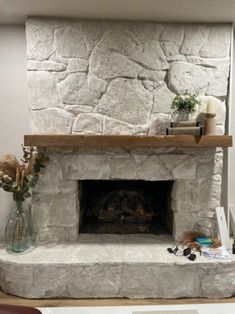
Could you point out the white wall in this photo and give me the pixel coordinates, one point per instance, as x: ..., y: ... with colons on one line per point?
x: 14, y: 107
x: 232, y: 131
x: 13, y: 102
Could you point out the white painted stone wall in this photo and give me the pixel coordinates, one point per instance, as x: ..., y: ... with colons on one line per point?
x: 196, y: 188
x: 101, y: 77
x: 95, y: 77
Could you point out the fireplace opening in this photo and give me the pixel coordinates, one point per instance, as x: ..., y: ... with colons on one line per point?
x: 125, y: 207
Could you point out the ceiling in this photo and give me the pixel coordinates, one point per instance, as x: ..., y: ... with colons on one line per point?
x: 16, y: 11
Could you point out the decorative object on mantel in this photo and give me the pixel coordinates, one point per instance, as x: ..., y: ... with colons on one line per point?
x: 210, y: 123
x: 187, y: 123
x: 183, y: 106
x: 187, y: 130
x: 18, y: 178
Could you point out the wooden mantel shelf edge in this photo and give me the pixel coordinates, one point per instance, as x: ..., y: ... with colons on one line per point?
x: 68, y: 140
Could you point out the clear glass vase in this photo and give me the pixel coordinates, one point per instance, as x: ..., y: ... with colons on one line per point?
x: 19, y: 229
x: 182, y: 116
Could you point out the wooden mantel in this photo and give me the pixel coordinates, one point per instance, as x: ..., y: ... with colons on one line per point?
x: 130, y: 141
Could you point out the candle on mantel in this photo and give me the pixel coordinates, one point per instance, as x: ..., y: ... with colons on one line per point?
x: 210, y: 106
x: 210, y: 123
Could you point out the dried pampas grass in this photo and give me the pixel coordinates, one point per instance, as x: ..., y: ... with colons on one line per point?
x: 9, y: 165
x: 18, y: 177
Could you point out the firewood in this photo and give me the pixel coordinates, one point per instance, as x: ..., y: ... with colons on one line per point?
x: 110, y: 209
x: 140, y: 211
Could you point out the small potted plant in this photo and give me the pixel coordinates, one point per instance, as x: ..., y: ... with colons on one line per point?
x: 184, y: 105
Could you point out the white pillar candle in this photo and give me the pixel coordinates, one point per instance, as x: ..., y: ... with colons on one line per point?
x: 210, y: 106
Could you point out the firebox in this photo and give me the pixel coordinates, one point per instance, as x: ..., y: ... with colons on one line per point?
x: 125, y: 207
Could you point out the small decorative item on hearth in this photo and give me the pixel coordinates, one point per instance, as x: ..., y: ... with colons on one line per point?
x: 183, y: 106
x: 19, y: 178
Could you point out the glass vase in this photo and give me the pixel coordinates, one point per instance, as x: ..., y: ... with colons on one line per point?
x: 19, y: 229
x: 182, y: 116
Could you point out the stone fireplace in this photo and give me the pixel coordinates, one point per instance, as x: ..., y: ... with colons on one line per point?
x: 196, y: 187
x: 99, y: 77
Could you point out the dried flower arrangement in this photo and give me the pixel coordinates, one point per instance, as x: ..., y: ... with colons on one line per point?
x: 18, y: 177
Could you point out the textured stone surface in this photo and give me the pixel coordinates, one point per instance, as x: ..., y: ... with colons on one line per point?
x: 81, y: 89
x: 77, y: 65
x: 162, y: 100
x: 189, y: 78
x: 182, y: 224
x: 107, y: 64
x: 219, y: 83
x: 213, y: 164
x: 42, y: 90
x: 210, y: 191
x: 49, y: 121
x: 90, y: 58
x: 194, y: 38
x: 39, y: 40
x: 173, y: 33
x: 85, y: 166
x: 127, y: 101
x: 156, y: 76
x: 215, y: 284
x: 134, y: 266
x: 128, y: 46
x: 217, y: 43
x: 70, y: 43
x: 196, y: 175
x: 158, y: 123
x: 77, y: 109
x: 208, y: 62
x: 49, y: 66
x: 51, y: 199
x: 112, y: 126
x: 220, y: 129
x: 88, y: 123
x: 186, y: 191
x: 170, y: 49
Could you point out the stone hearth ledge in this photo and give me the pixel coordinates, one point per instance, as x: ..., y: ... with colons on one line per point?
x: 108, y: 266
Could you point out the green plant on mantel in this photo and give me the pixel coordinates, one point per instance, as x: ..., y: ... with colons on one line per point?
x: 185, y: 104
